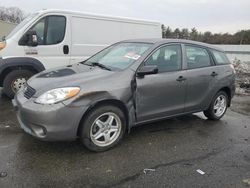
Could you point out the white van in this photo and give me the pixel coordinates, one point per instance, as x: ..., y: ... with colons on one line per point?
x: 51, y: 38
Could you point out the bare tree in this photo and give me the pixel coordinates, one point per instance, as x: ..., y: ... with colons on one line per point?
x: 194, y: 34
x: 177, y: 33
x: 11, y: 14
x: 184, y: 34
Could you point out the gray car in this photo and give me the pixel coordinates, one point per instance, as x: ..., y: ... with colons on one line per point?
x: 129, y: 83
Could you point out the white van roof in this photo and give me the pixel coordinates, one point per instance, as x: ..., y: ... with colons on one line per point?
x: 99, y: 16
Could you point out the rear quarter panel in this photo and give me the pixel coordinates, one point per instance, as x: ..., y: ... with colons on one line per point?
x: 224, y: 79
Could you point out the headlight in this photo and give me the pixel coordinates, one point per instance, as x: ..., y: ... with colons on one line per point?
x: 57, y: 95
x: 2, y: 45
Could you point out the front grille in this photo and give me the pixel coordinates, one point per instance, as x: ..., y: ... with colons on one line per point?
x: 29, y: 92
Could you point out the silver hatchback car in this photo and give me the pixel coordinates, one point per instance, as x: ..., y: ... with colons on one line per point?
x: 129, y: 83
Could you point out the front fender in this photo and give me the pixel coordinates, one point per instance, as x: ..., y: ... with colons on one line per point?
x: 90, y: 100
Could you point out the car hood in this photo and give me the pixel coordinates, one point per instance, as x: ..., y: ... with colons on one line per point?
x: 67, y: 76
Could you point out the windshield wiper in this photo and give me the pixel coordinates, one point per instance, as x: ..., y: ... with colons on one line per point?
x: 100, y: 65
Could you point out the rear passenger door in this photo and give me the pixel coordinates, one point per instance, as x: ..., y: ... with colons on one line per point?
x: 201, y: 77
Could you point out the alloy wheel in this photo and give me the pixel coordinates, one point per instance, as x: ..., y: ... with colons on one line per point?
x: 220, y: 105
x: 106, y: 129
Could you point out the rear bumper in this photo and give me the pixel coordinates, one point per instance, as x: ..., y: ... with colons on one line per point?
x: 47, y: 122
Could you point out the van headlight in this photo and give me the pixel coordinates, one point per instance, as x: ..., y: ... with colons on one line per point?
x: 2, y: 45
x: 57, y: 95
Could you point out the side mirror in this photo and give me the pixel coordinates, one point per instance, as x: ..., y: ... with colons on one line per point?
x: 146, y: 70
x: 29, y: 39
x: 32, y: 38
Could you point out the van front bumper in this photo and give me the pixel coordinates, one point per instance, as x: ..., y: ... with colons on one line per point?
x: 56, y: 122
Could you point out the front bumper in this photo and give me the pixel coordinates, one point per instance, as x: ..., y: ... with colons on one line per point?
x: 56, y: 122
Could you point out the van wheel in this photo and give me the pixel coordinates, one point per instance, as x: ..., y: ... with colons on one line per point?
x: 218, y: 106
x: 14, y: 81
x: 103, y: 128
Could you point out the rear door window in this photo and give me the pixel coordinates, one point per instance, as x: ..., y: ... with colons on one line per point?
x: 197, y: 57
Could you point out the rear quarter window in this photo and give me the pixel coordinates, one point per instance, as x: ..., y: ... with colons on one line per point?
x: 220, y: 58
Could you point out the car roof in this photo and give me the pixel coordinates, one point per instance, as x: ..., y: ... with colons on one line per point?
x: 160, y: 41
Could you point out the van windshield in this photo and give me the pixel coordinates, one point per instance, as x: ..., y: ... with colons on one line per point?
x: 20, y: 25
x: 119, y: 56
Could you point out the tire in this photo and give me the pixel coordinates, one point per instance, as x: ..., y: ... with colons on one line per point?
x: 90, y: 128
x: 22, y: 75
x: 216, y: 114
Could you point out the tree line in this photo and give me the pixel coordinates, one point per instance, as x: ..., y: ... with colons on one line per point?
x: 16, y: 15
x: 240, y: 37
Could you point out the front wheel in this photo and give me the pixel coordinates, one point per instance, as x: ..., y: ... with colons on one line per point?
x: 218, y: 106
x: 14, y: 81
x: 103, y: 128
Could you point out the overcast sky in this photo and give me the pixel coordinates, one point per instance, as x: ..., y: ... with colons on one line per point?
x: 213, y: 15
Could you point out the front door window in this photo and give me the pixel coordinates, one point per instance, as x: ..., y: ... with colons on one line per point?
x: 50, y: 30
x: 167, y: 58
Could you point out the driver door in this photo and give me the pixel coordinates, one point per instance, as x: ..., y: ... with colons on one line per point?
x: 162, y: 94
x: 53, y: 36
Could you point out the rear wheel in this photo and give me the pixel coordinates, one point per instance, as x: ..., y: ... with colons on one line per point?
x: 103, y: 128
x: 14, y: 81
x: 218, y: 106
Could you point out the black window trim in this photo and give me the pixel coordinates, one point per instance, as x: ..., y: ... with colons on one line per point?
x: 46, y: 28
x: 212, y: 63
x: 161, y: 46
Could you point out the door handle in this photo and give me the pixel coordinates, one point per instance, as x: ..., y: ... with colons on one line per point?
x: 66, y: 49
x: 214, y: 74
x: 180, y: 79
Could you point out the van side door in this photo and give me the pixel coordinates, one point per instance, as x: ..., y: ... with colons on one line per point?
x: 162, y: 94
x: 201, y: 78
x: 53, y: 37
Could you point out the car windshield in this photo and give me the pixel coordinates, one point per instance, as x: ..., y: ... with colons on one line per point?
x: 119, y: 56
x: 23, y: 23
